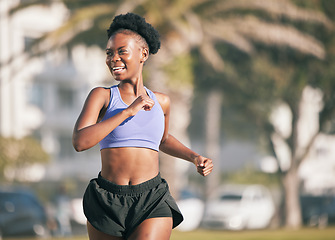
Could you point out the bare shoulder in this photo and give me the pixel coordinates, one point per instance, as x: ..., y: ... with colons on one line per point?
x: 164, y: 100
x: 99, y: 94
x: 100, y: 91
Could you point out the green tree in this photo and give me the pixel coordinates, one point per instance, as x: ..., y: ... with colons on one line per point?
x: 274, y: 75
x: 17, y: 154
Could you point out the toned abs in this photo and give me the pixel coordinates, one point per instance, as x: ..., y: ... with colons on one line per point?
x: 129, y: 166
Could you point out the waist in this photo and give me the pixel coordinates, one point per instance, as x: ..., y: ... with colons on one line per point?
x: 129, y: 166
x: 128, y: 189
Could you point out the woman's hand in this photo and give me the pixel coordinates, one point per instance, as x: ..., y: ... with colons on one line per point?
x: 142, y: 102
x: 204, y: 165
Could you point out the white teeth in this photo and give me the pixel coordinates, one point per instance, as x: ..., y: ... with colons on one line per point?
x: 117, y: 68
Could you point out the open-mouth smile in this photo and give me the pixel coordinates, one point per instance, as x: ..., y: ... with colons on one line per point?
x: 118, y: 69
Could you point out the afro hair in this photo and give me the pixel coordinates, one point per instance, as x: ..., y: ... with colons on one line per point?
x: 138, y: 25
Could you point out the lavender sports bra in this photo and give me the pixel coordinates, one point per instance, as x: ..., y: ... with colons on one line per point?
x: 145, y: 129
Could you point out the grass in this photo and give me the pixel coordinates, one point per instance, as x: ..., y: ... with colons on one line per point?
x: 278, y: 234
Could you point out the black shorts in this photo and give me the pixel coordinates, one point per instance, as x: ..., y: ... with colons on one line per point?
x: 118, y: 209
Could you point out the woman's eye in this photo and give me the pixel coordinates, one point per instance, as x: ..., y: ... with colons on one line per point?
x: 122, y: 51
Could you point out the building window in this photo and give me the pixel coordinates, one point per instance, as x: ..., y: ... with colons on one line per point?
x: 28, y: 42
x: 66, y: 149
x: 65, y: 97
x: 35, y: 95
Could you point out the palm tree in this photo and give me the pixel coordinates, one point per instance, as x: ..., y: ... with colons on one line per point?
x: 185, y: 26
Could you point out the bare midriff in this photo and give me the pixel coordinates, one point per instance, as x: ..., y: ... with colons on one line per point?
x: 129, y: 165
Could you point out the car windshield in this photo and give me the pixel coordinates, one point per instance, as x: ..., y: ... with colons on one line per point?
x: 234, y: 197
x: 20, y: 201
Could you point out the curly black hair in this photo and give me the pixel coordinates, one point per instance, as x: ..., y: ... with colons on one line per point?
x: 137, y: 24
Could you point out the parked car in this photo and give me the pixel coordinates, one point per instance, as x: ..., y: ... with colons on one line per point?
x: 239, y: 207
x: 318, y: 210
x: 192, y: 208
x: 21, y: 214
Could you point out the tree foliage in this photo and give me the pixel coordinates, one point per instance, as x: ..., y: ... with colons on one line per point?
x: 20, y: 153
x: 254, y: 83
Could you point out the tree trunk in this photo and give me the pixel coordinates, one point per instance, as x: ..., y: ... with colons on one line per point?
x: 213, y: 119
x: 305, y: 128
x: 172, y: 169
x: 293, y: 218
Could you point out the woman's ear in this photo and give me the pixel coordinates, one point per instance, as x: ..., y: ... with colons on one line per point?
x: 145, y: 54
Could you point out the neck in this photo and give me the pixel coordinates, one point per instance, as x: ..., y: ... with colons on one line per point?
x: 135, y: 88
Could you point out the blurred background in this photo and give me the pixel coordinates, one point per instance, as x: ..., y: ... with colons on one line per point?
x: 252, y: 85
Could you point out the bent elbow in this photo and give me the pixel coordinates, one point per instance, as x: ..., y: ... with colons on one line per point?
x: 79, y: 147
x: 81, y: 142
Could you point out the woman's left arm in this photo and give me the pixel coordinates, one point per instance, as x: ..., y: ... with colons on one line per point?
x: 170, y: 145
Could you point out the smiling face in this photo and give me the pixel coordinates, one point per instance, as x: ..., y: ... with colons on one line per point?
x: 125, y: 56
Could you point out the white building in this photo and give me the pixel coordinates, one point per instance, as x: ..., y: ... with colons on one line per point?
x: 318, y: 170
x: 43, y: 96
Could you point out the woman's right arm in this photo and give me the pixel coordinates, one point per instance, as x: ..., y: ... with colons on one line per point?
x: 88, y: 132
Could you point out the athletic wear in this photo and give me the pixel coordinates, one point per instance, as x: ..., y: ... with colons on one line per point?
x: 145, y: 129
x: 117, y: 210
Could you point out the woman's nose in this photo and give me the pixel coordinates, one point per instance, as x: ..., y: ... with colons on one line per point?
x: 115, y: 57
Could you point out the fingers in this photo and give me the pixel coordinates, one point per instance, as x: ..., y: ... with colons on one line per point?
x: 204, y: 166
x: 149, y: 103
x: 142, y: 102
x: 146, y: 102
